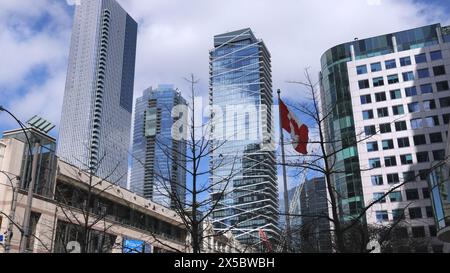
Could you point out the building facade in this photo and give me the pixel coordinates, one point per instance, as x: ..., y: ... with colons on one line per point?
x: 96, y: 116
x: 159, y: 161
x: 119, y: 220
x: 390, y: 102
x: 242, y: 159
x: 309, y: 208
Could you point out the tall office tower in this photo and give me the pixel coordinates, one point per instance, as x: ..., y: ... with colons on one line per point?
x: 241, y: 159
x: 311, y: 231
x: 159, y: 162
x: 98, y: 98
x: 390, y: 102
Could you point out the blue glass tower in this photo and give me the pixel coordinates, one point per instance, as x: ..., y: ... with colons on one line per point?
x: 158, y: 165
x: 242, y: 162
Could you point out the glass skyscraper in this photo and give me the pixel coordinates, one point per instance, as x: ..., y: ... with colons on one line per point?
x: 153, y: 172
x: 96, y: 115
x: 242, y: 160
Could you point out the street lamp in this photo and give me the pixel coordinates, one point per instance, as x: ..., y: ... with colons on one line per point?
x: 12, y: 212
x: 27, y: 215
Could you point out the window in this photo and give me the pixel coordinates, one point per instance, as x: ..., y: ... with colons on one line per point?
x: 413, y: 107
x: 416, y: 123
x: 365, y: 99
x: 439, y: 70
x: 387, y: 144
x: 429, y: 211
x: 426, y: 193
x: 444, y: 102
x: 433, y: 233
x: 415, y: 213
x: 395, y: 196
x: 406, y: 159
x: 410, y: 91
x: 377, y: 180
x: 389, y: 64
x: 398, y: 214
x: 436, y: 248
x: 398, y: 110
x: 380, y: 96
x: 385, y: 128
x: 442, y: 86
x: 438, y: 155
x: 408, y: 76
x: 446, y: 118
x: 426, y: 88
x: 400, y: 126
x: 409, y: 176
x: 431, y: 121
x: 392, y: 79
x: 418, y: 232
x: 423, y: 73
x: 378, y: 81
x: 372, y: 146
x: 419, y: 140
x: 368, y: 114
x: 423, y: 174
x: 436, y: 55
x: 403, y: 142
x: 405, y: 61
x: 379, y: 196
x: 390, y: 161
x: 361, y: 69
x: 420, y: 58
x: 374, y: 162
x: 363, y: 84
x: 370, y: 130
x: 375, y: 67
x: 429, y: 105
x: 422, y: 157
x: 382, y: 216
x: 393, y: 178
x: 395, y: 94
x: 383, y: 112
x: 436, y: 137
x: 412, y: 194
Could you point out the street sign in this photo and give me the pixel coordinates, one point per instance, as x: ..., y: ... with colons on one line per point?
x: 2, y: 239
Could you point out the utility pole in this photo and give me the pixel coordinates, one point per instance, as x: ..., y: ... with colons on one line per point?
x: 286, y: 197
x: 27, y: 215
x: 12, y: 214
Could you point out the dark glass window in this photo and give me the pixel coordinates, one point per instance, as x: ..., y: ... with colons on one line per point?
x: 446, y: 118
x: 398, y: 214
x: 422, y: 157
x: 365, y: 99
x: 398, y: 110
x: 442, y: 86
x: 383, y: 112
x: 420, y: 58
x: 377, y: 180
x: 426, y: 88
x: 389, y: 64
x: 374, y: 163
x: 406, y: 159
x: 368, y: 114
x: 436, y: 137
x: 393, y: 178
x: 419, y: 140
x: 382, y: 215
x: 429, y: 105
x: 413, y: 107
x: 418, y: 232
x: 372, y: 146
x: 395, y: 196
x: 429, y: 211
x: 387, y: 144
x: 409, y: 176
x: 423, y: 73
x: 375, y: 67
x: 361, y: 69
x: 433, y: 233
x: 412, y: 194
x: 436, y: 55
x: 395, y: 94
x: 416, y: 123
x: 439, y: 70
x: 390, y: 161
x: 370, y: 130
x: 408, y: 76
x: 363, y: 84
x: 431, y: 121
x: 425, y: 192
x: 423, y: 174
x: 385, y: 128
x: 380, y: 96
x: 392, y: 79
x: 444, y: 102
x: 378, y: 81
x: 415, y: 213
x: 410, y: 91
x: 400, y: 126
x: 438, y: 155
x: 405, y: 61
x: 403, y: 142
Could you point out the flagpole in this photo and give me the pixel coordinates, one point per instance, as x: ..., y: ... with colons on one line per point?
x: 286, y: 197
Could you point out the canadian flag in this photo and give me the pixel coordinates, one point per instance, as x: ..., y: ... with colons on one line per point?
x: 298, y: 130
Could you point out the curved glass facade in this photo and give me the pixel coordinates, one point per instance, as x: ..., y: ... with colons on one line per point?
x: 439, y: 184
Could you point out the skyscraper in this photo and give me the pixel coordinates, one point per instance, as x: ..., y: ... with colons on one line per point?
x: 390, y: 97
x: 158, y: 163
x: 241, y: 159
x: 96, y: 115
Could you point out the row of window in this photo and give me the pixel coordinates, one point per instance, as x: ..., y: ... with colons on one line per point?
x: 406, y: 76
x: 404, y: 61
x: 408, y: 92
x: 402, y: 142
x: 399, y: 214
x: 412, y: 107
x: 399, y: 126
x: 406, y: 159
x: 394, y: 178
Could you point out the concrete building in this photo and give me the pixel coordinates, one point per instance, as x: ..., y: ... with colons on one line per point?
x: 242, y: 127
x: 98, y: 97
x: 158, y: 159
x: 118, y: 218
x: 390, y: 102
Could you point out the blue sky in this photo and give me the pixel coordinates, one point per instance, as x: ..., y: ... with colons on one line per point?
x: 175, y: 35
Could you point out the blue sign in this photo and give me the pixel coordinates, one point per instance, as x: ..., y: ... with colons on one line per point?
x: 2, y: 238
x: 135, y: 246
